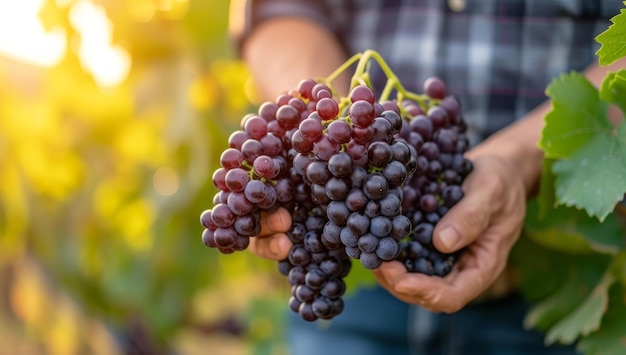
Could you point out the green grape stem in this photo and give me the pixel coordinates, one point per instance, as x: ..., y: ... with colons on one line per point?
x: 361, y: 76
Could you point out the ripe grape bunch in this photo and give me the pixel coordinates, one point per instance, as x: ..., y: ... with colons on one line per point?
x: 363, y: 177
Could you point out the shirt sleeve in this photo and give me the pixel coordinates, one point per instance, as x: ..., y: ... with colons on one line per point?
x: 248, y: 14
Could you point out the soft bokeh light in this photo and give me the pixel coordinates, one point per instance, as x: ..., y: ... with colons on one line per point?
x: 23, y: 37
x: 112, y: 117
x: 165, y: 181
x: 108, y: 63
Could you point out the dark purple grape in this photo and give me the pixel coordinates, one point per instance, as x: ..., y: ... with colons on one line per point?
x: 315, y: 279
x: 381, y: 226
x: 298, y: 255
x: 375, y: 186
x: 358, y: 223
x: 317, y: 172
x: 348, y: 238
x: 247, y: 225
x: 438, y: 116
x: 311, y: 130
x: 287, y: 116
x: 368, y: 243
x: 423, y: 126
x: 362, y: 113
x: 370, y: 261
x: 423, y: 233
x: 388, y: 248
x: 251, y: 149
x: 362, y: 92
x: 327, y: 108
x: 296, y: 275
x: 256, y: 127
x: 379, y: 154
x: 339, y: 131
x: 340, y: 165
x: 325, y: 148
x: 356, y: 200
x: 231, y: 158
x: 451, y: 195
x: 338, y: 213
x: 435, y: 88
x: 428, y: 203
x: 400, y: 227
x: 337, y: 189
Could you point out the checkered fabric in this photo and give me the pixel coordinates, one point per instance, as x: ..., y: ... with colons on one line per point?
x: 497, y: 56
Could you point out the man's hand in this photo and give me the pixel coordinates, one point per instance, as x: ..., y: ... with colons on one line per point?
x: 272, y: 243
x: 487, y: 222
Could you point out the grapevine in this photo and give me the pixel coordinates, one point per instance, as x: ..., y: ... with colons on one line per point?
x: 364, y: 177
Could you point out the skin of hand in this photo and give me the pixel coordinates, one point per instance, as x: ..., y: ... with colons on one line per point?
x: 489, y: 218
x: 272, y: 242
x: 486, y: 222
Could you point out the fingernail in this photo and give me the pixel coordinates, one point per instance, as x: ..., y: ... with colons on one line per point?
x: 449, y: 237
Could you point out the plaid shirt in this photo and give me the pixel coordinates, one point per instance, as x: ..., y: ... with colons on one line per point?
x: 496, y: 56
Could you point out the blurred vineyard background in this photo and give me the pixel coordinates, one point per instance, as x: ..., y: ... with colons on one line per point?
x: 113, y: 114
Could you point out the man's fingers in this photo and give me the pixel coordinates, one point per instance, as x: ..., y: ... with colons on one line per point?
x: 275, y: 247
x: 467, y: 220
x: 278, y: 221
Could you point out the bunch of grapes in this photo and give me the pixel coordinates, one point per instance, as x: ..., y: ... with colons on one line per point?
x: 315, y: 268
x: 363, y: 179
x: 256, y: 171
x: 438, y: 137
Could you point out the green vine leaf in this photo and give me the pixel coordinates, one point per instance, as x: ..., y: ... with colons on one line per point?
x: 613, y: 40
x: 613, y: 89
x: 577, y: 116
x: 545, y: 196
x: 594, y: 177
x: 546, y: 313
x: 610, y: 339
x: 586, y: 318
x: 573, y: 231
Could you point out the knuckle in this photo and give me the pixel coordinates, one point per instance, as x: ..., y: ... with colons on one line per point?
x: 472, y: 217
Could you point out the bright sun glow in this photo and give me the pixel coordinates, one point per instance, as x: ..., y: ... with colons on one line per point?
x: 23, y: 37
x: 109, y: 64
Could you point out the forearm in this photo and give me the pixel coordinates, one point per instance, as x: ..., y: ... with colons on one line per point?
x: 517, y: 143
x: 285, y: 50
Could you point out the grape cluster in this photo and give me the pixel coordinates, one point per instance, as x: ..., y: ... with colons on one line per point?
x: 355, y: 170
x: 362, y: 180
x: 315, y: 268
x: 255, y: 172
x: 438, y: 137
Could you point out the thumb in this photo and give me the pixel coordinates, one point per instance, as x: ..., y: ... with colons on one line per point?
x: 466, y: 221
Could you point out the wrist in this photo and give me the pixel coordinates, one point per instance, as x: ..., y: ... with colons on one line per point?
x: 516, y: 146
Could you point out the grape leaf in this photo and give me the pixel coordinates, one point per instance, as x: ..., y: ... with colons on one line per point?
x: 586, y: 318
x: 545, y: 196
x: 610, y: 339
x: 594, y: 177
x: 613, y: 40
x: 577, y: 115
x: 572, y: 230
x: 613, y: 89
x: 578, y: 276
x: 545, y: 314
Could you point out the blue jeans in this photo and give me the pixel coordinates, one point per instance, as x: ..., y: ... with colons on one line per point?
x: 375, y: 323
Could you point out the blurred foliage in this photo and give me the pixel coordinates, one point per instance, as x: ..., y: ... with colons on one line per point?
x: 101, y: 188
